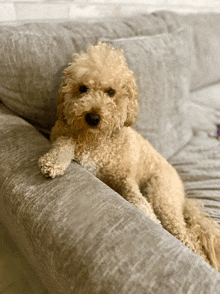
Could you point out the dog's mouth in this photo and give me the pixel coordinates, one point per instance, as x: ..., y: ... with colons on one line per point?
x: 94, y: 131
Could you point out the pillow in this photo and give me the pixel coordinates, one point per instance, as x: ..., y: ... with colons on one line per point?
x: 31, y: 69
x: 206, y: 41
x: 204, y: 110
x: 161, y: 65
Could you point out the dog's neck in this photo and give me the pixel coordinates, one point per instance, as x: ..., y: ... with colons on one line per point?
x: 92, y: 140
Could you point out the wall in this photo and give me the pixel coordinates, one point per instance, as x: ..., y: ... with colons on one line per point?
x: 11, y: 10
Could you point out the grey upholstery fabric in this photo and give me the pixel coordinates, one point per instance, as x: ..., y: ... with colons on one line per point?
x: 82, y: 237
x: 206, y: 35
x: 198, y: 164
x: 16, y: 274
x: 162, y: 67
x: 204, y: 110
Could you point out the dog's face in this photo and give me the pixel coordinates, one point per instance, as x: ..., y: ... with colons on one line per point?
x: 99, y: 94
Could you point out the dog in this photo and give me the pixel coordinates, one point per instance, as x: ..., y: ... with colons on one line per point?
x: 97, y: 105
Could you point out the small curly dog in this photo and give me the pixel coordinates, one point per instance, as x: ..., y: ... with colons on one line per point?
x: 97, y: 105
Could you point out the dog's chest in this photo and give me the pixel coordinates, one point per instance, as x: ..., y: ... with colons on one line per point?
x: 102, y: 161
x: 88, y: 161
x: 95, y: 161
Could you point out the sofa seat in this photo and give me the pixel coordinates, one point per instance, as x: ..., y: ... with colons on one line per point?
x: 198, y: 165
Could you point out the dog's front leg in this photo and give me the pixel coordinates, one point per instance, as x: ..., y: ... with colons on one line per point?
x: 131, y: 192
x: 55, y: 162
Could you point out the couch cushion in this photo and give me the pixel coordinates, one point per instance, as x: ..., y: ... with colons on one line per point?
x: 198, y: 164
x: 161, y: 66
x: 206, y: 39
x: 204, y: 110
x: 35, y: 55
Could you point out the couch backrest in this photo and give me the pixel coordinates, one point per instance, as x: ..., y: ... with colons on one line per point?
x: 206, y: 43
x: 35, y: 55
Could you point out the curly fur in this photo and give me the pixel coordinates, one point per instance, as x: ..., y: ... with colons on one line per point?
x: 99, y: 82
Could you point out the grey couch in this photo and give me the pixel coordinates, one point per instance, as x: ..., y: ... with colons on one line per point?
x: 79, y: 235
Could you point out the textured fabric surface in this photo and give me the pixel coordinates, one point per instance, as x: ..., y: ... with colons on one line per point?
x: 82, y: 237
x: 206, y: 40
x: 35, y: 55
x: 16, y: 274
x: 198, y: 164
x: 161, y: 66
x: 204, y: 110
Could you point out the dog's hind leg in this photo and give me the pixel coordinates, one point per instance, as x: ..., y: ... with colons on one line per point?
x: 130, y: 191
x: 167, y: 196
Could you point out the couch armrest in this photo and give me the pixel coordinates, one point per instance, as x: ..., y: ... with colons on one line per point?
x: 82, y: 237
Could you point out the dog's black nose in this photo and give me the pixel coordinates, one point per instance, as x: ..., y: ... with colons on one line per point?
x: 92, y: 119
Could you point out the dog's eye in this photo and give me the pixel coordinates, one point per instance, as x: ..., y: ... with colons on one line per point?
x: 110, y: 92
x: 83, y: 89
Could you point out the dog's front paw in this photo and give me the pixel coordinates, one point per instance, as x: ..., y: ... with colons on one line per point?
x: 50, y: 166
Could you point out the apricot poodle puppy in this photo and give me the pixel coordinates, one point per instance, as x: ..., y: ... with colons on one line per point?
x: 97, y: 105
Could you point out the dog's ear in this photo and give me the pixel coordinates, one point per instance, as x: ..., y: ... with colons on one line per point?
x: 133, y: 101
x: 60, y: 105
x: 63, y: 90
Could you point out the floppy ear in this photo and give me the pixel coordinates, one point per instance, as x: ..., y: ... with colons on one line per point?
x: 60, y: 107
x: 63, y: 90
x: 133, y: 101
x: 61, y: 128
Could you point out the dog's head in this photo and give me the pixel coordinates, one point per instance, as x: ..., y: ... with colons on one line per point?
x: 98, y: 94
